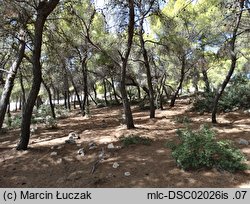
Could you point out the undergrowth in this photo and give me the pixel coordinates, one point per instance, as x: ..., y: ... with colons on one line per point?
x: 199, y: 149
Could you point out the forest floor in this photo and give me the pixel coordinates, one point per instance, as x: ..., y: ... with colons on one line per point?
x: 149, y: 165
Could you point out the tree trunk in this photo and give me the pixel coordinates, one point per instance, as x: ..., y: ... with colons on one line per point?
x: 105, y: 92
x: 232, y: 67
x: 183, y: 66
x: 148, y: 70
x: 85, y: 85
x: 126, y: 105
x: 23, y: 90
x: 50, y: 99
x: 9, y: 83
x: 76, y: 91
x: 204, y: 70
x: 115, y: 94
x: 43, y: 10
x: 95, y: 93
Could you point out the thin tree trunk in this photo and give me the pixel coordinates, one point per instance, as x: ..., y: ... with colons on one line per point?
x: 125, y: 101
x: 85, y: 85
x: 76, y: 91
x: 95, y: 93
x: 232, y: 67
x: 50, y: 99
x: 9, y: 83
x: 183, y: 66
x: 43, y: 10
x: 105, y: 92
x: 115, y: 94
x: 23, y: 90
x: 203, y: 69
x: 148, y: 70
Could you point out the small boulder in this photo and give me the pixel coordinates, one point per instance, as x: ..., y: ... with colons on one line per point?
x: 81, y: 152
x: 111, y: 146
x: 73, y: 136
x: 127, y: 173
x: 53, y: 153
x: 115, y: 165
x: 92, y: 145
x: 70, y: 141
x: 243, y: 142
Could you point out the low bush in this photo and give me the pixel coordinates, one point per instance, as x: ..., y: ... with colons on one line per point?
x: 182, y: 119
x: 134, y: 139
x: 199, y: 149
x: 236, y: 95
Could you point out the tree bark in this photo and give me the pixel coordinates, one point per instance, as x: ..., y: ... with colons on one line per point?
x: 50, y: 99
x: 85, y: 85
x: 105, y: 92
x: 43, y: 10
x: 232, y: 67
x: 9, y: 83
x: 23, y: 90
x: 147, y: 66
x: 76, y: 91
x: 183, y: 66
x: 126, y: 105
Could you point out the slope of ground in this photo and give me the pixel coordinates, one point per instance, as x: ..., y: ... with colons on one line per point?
x: 149, y: 166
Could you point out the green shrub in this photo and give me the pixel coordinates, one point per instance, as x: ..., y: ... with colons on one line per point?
x: 200, y: 149
x: 236, y: 95
x: 134, y: 139
x: 50, y: 122
x: 182, y: 119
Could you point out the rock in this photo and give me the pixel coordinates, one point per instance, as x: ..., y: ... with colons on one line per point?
x: 59, y: 147
x: 53, y: 154
x: 92, y: 145
x: 81, y: 152
x: 243, y: 142
x: 70, y: 141
x: 111, y: 146
x: 127, y: 173
x: 115, y: 165
x: 235, y: 109
x: 59, y: 161
x: 73, y: 136
x: 247, y: 111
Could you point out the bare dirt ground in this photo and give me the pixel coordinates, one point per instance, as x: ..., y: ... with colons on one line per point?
x: 149, y: 166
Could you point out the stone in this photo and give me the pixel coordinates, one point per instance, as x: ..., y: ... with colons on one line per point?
x: 59, y: 147
x: 73, y: 136
x: 247, y: 111
x: 111, y: 146
x: 127, y: 173
x: 70, y: 141
x: 115, y: 165
x: 81, y: 152
x: 59, y: 161
x: 243, y: 142
x: 53, y: 153
x: 92, y: 145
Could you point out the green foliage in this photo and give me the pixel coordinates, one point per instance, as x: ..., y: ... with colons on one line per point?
x: 135, y: 139
x: 50, y: 122
x: 200, y: 149
x: 61, y: 112
x: 43, y: 111
x: 236, y: 95
x: 182, y: 119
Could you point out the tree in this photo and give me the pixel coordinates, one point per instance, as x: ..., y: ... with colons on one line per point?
x: 233, y: 57
x: 9, y: 83
x: 43, y: 10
